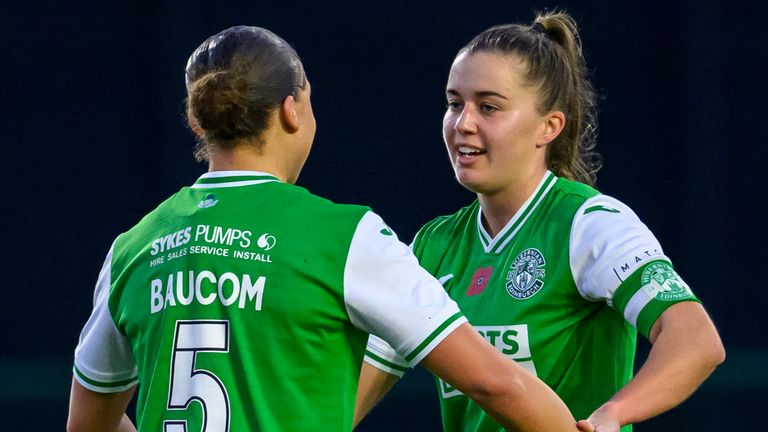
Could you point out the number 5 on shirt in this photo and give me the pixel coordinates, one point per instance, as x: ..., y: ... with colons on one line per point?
x: 188, y: 383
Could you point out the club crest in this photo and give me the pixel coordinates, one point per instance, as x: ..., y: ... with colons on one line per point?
x: 526, y: 274
x: 661, y: 281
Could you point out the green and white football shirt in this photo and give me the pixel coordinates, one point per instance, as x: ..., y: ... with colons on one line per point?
x: 244, y: 304
x: 563, y: 289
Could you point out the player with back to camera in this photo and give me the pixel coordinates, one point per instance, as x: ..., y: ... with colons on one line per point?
x: 243, y: 302
x: 554, y: 274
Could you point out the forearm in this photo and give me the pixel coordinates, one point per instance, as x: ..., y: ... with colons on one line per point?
x: 126, y: 425
x: 91, y: 411
x: 514, y: 397
x: 373, y: 385
x: 686, y: 349
x: 533, y: 407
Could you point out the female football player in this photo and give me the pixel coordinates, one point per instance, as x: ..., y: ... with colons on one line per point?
x: 551, y: 272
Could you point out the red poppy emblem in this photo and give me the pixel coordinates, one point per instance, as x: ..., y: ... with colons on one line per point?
x: 479, y: 281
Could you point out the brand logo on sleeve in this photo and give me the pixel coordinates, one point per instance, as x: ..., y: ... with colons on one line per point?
x: 526, y: 275
x: 660, y: 281
x: 601, y: 208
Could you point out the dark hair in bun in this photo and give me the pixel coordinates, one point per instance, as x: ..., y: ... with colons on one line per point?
x: 235, y: 80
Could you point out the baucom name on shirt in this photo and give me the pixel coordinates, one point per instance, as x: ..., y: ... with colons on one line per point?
x: 205, y: 288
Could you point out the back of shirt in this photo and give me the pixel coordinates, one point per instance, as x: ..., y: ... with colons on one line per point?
x: 238, y: 288
x: 228, y: 305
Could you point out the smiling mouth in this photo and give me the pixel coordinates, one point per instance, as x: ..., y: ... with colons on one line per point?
x: 466, y: 152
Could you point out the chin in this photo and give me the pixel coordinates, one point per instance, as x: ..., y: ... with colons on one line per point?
x: 470, y: 182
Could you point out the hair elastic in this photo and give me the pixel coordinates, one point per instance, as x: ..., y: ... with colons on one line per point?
x: 539, y: 28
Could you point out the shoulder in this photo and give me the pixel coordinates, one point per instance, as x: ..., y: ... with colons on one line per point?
x: 294, y: 197
x: 570, y: 195
x: 447, y: 226
x: 146, y: 225
x: 604, y: 211
x: 608, y: 243
x: 585, y: 205
x: 604, y: 219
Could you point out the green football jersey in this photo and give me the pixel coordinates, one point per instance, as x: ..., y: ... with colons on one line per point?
x: 243, y: 303
x: 562, y: 289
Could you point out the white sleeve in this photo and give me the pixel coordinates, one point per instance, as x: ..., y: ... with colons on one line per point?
x: 388, y: 294
x: 608, y: 243
x: 381, y: 355
x: 104, y: 361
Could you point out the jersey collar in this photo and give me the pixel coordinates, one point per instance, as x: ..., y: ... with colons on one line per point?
x: 221, y: 179
x: 497, y: 244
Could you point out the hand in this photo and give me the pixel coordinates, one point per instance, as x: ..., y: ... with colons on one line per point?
x: 604, y: 419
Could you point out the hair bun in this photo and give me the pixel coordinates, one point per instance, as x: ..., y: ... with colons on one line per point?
x: 219, y: 103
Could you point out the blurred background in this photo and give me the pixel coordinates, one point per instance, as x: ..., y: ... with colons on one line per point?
x: 92, y: 96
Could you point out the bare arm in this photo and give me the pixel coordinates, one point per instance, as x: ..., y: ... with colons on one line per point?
x: 686, y: 349
x: 98, y: 412
x: 514, y: 397
x: 373, y: 385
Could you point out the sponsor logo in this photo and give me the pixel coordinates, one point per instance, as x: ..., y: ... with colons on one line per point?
x: 212, y: 240
x: 266, y: 241
x: 633, y: 262
x: 660, y: 281
x: 479, y: 281
x: 171, y: 241
x: 526, y: 275
x: 512, y: 341
x: 208, y: 201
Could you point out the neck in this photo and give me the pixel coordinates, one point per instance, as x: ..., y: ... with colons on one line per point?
x: 248, y: 158
x: 500, y: 206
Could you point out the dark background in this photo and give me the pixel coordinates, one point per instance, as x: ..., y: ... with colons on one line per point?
x: 92, y: 96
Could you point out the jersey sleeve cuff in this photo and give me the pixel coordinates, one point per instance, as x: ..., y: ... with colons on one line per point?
x: 385, y: 365
x: 381, y: 355
x: 450, y: 324
x: 102, y: 386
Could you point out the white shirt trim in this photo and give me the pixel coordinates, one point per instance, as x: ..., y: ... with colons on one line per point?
x: 490, y: 243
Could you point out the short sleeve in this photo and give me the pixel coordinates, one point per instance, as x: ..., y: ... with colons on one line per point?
x: 615, y: 258
x: 104, y: 361
x: 389, y: 295
x: 381, y: 355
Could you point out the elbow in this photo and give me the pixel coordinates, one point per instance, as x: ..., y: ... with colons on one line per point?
x: 73, y: 426
x: 79, y: 423
x: 717, y: 354
x: 711, y: 352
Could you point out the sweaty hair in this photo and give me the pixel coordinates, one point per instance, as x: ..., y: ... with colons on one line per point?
x: 235, y: 80
x: 551, y: 48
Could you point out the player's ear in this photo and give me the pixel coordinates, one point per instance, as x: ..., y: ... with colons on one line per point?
x: 288, y: 117
x: 553, y: 124
x: 194, y: 125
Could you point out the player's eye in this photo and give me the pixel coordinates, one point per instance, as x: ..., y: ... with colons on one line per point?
x: 453, y: 106
x: 488, y: 109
